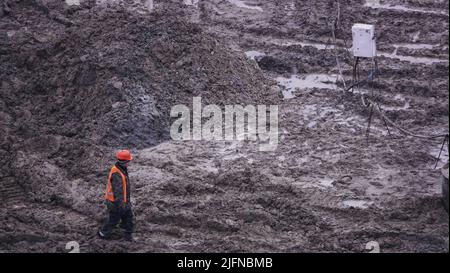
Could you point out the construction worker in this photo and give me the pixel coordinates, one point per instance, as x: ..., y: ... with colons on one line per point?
x: 118, y: 198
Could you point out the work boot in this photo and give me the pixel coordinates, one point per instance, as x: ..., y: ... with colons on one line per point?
x: 101, y: 235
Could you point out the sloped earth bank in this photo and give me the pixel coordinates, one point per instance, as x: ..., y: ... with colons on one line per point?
x: 324, y: 189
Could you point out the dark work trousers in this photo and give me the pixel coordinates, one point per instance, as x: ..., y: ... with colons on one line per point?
x: 117, y: 215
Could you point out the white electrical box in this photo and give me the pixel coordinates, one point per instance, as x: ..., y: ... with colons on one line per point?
x: 364, y: 42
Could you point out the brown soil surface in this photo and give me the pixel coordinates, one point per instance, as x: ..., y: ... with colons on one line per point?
x: 79, y: 82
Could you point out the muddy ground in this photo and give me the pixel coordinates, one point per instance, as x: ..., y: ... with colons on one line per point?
x: 326, y: 188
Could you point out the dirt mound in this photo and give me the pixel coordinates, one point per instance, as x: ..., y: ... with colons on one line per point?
x: 78, y: 82
x: 113, y: 75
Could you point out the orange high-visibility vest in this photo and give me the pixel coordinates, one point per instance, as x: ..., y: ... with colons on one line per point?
x: 109, y: 190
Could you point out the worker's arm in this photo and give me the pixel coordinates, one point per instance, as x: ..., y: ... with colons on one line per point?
x: 116, y: 183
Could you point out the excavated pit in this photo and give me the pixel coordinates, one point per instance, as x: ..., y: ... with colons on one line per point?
x: 79, y: 82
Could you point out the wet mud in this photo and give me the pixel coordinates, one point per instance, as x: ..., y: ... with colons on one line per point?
x: 80, y: 81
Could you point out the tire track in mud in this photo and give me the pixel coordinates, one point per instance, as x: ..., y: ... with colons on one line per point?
x: 10, y: 191
x: 301, y: 215
x: 280, y: 48
x: 48, y: 229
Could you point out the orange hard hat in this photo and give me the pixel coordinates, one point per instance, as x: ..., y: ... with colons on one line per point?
x: 124, y: 155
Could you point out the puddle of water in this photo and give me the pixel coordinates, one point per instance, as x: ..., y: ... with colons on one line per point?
x: 319, y: 46
x: 73, y: 2
x: 357, y: 204
x: 191, y: 2
x: 414, y: 46
x: 254, y: 54
x: 355, y: 124
x: 143, y: 5
x: 326, y: 182
x: 241, y: 4
x: 287, y: 90
x: 220, y: 12
x: 309, y: 81
x: 396, y: 108
x: 149, y: 4
x: 10, y: 33
x: 377, y: 5
x: 411, y: 59
x: 399, y: 97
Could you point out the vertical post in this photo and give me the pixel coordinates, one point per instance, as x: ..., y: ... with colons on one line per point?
x: 354, y: 73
